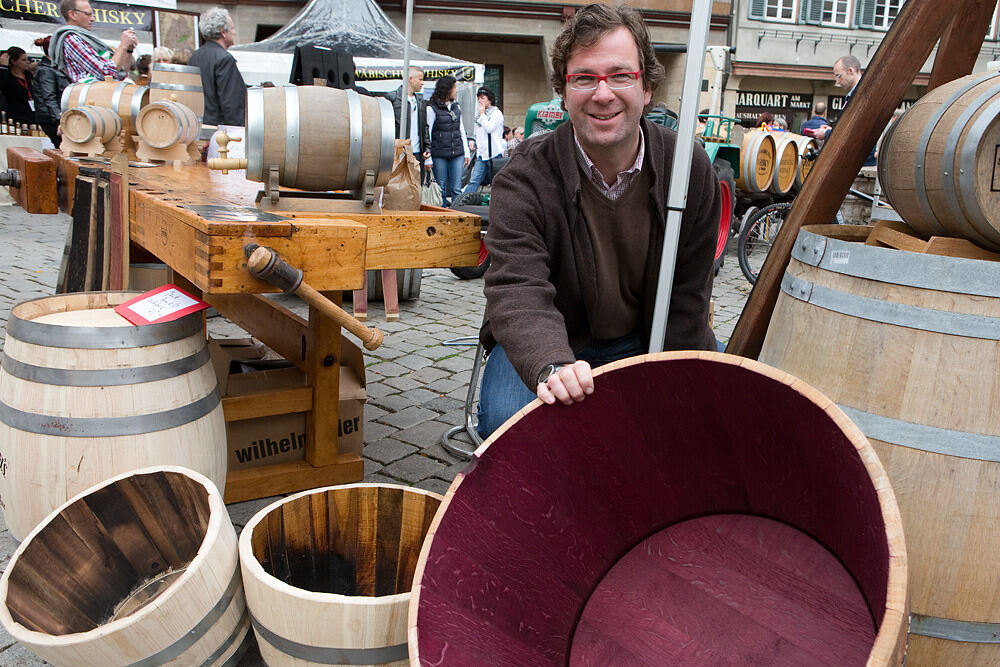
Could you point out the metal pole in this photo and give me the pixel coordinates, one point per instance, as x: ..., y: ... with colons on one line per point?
x: 404, y: 104
x: 680, y: 173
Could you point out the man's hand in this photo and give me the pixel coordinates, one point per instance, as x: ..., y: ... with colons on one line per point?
x: 467, y: 160
x: 821, y: 132
x: 129, y: 41
x: 4, y: 59
x: 570, y: 384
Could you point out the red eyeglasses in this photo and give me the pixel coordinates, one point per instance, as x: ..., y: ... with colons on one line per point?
x: 615, y: 80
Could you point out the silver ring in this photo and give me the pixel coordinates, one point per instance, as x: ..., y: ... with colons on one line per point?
x: 967, y: 175
x: 175, y: 86
x: 292, y: 137
x: 255, y: 134
x: 116, y: 96
x: 170, y: 67
x: 387, y: 155
x: 355, y: 137
x: 81, y: 100
x: 138, y: 94
x: 112, y: 377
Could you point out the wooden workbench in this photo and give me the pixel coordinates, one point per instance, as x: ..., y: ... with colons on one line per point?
x: 197, y: 222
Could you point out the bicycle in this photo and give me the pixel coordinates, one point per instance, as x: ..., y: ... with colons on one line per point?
x: 760, y: 229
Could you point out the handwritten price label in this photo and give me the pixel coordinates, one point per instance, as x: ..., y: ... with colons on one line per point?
x: 163, y: 304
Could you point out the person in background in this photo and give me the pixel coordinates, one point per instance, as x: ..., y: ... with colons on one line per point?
x: 16, y: 85
x: 182, y: 56
x: 508, y: 137
x: 142, y: 70
x: 489, y: 139
x: 846, y: 75
x: 49, y: 86
x: 416, y: 118
x: 519, y: 134
x: 81, y: 54
x: 448, y: 144
x: 764, y: 118
x: 162, y: 54
x: 780, y: 123
x: 221, y: 81
x: 577, y: 226
x: 817, y: 121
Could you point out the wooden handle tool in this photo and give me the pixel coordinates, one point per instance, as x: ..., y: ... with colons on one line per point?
x: 265, y: 264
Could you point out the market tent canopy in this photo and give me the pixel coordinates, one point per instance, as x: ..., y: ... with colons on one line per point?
x: 355, y: 27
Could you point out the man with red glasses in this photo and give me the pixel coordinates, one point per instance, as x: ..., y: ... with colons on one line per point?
x: 577, y: 220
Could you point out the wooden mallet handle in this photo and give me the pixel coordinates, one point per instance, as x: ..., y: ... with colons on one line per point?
x: 265, y: 264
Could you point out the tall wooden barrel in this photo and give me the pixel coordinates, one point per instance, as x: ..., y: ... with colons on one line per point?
x: 908, y: 345
x: 328, y: 573
x: 85, y: 395
x: 180, y: 83
x: 142, y: 569
x: 319, y: 138
x: 165, y: 124
x: 123, y: 97
x: 787, y: 163
x: 757, y: 158
x: 82, y: 124
x: 807, y: 158
x: 648, y: 526
x: 938, y: 163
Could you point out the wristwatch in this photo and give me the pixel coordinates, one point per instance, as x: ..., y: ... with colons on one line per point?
x: 547, y: 372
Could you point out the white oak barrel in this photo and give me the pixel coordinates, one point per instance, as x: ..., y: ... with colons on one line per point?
x: 757, y: 162
x: 318, y: 138
x: 939, y: 164
x: 328, y: 573
x: 807, y: 158
x: 167, y: 123
x: 648, y: 526
x: 141, y: 569
x: 786, y: 163
x: 908, y: 345
x: 86, y: 395
x: 180, y: 83
x: 123, y: 97
x: 81, y: 124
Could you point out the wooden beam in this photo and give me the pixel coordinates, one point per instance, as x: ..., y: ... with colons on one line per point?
x: 905, y: 48
x: 962, y: 42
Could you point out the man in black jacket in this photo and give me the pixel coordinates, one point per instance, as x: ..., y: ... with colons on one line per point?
x: 223, y: 85
x: 416, y: 119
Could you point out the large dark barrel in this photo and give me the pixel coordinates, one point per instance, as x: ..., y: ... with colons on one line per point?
x: 939, y: 166
x: 319, y: 138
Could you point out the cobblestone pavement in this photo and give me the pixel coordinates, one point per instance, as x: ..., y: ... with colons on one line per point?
x: 417, y: 383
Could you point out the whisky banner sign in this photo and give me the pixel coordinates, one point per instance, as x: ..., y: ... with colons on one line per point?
x: 379, y: 73
x: 106, y: 14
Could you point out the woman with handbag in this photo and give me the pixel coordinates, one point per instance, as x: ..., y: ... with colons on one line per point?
x: 448, y: 147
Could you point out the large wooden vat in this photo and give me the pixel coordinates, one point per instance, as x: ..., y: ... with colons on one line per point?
x: 328, y: 573
x: 179, y: 83
x: 123, y: 97
x: 86, y: 395
x: 908, y: 345
x: 646, y: 525
x: 82, y: 124
x: 938, y: 163
x: 319, y: 138
x: 166, y: 124
x: 786, y: 163
x: 757, y: 157
x: 139, y: 570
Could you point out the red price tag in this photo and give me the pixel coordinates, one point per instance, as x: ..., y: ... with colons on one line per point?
x: 162, y: 304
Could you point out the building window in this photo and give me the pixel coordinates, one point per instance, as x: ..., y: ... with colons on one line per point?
x: 876, y: 14
x: 834, y: 13
x: 773, y: 10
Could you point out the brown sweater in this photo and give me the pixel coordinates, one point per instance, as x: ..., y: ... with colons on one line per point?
x: 541, y: 288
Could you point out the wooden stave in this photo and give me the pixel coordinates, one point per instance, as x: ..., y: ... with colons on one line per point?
x: 757, y: 146
x: 944, y: 499
x: 890, y: 643
x: 105, y: 124
x: 188, y: 125
x: 320, y: 159
x: 277, y: 608
x: 209, y: 593
x: 937, y: 195
x: 786, y: 150
x: 55, y: 455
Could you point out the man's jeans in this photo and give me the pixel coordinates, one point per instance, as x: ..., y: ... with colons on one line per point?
x: 502, y: 392
x: 480, y: 170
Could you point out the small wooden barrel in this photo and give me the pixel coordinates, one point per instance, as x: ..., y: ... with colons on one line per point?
x: 180, y: 83
x: 123, y: 97
x: 787, y: 150
x: 319, y: 138
x: 938, y: 163
x: 85, y: 395
x: 82, y: 124
x: 807, y: 158
x: 908, y: 345
x: 141, y: 569
x: 757, y: 158
x: 167, y: 124
x: 646, y: 525
x: 328, y: 573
